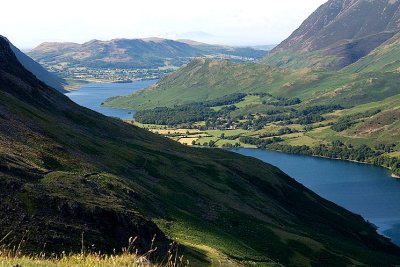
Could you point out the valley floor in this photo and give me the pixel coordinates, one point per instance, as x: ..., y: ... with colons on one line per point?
x: 339, y: 134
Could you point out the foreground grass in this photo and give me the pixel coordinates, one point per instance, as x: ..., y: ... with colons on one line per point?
x: 90, y: 260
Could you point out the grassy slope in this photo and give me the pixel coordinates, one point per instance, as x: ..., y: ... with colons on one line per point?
x: 65, y: 170
x: 298, y: 60
x: 205, y: 79
x: 383, y: 127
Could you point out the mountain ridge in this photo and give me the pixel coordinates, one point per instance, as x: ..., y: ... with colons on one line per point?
x: 132, y: 53
x: 333, y: 25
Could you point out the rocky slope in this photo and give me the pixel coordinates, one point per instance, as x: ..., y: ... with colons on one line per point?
x: 332, y: 38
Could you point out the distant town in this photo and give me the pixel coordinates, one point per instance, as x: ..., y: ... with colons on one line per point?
x: 72, y: 72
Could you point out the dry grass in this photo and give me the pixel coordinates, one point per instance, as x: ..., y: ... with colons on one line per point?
x: 187, y: 140
x: 129, y: 257
x: 87, y: 260
x: 79, y: 260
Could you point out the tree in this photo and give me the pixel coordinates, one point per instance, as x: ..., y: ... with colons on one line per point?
x: 212, y: 143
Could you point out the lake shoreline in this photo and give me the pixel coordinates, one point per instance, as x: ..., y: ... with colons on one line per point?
x: 75, y: 85
x: 318, y: 156
x: 92, y: 95
x: 339, y: 159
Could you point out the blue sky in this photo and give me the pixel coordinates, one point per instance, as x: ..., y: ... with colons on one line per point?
x: 28, y: 23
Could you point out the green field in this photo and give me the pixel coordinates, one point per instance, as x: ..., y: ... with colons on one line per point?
x: 381, y: 127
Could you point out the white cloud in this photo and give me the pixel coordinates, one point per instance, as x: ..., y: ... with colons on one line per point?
x: 28, y: 23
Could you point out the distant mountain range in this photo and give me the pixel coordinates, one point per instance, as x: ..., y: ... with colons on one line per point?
x: 338, y: 34
x: 149, y: 53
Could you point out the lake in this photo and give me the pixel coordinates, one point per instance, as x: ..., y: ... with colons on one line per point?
x: 93, y: 94
x: 363, y: 189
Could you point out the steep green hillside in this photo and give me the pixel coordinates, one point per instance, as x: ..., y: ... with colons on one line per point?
x: 207, y: 79
x: 67, y: 172
x: 383, y: 127
x: 337, y: 34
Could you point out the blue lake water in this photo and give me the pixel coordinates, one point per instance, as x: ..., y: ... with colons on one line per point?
x: 363, y: 189
x: 93, y: 94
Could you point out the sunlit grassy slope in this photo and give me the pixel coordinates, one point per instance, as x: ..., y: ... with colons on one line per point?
x: 206, y: 79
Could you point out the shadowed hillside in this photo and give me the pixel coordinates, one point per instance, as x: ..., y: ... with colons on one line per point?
x: 40, y: 73
x: 385, y: 58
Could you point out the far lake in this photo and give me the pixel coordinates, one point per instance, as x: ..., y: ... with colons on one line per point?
x: 363, y: 189
x: 93, y: 94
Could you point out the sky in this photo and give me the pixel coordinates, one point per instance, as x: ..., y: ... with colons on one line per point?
x: 28, y: 23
